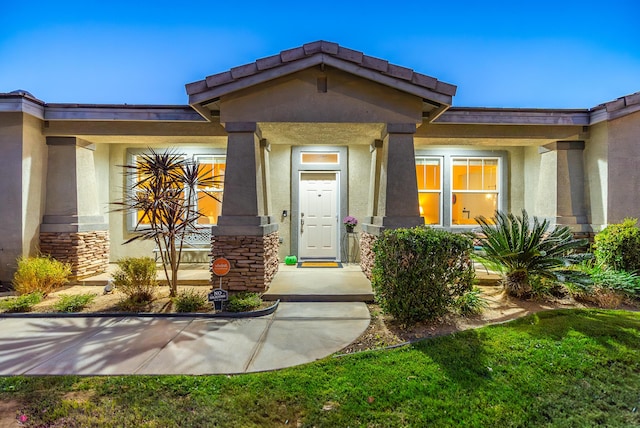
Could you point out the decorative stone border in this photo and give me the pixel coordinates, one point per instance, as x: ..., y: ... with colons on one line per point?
x: 231, y: 315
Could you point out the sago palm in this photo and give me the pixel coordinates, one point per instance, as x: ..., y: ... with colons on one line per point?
x: 518, y: 249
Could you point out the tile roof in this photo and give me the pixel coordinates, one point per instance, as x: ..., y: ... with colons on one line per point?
x: 329, y: 49
x: 617, y: 108
x: 622, y: 102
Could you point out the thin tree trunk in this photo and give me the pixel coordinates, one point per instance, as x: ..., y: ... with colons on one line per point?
x: 173, y: 282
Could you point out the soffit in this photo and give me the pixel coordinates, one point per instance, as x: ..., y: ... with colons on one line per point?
x: 333, y: 134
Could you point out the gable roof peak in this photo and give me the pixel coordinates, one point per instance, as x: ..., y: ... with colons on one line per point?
x: 311, y: 54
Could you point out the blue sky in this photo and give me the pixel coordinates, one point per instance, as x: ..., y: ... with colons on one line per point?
x: 544, y: 54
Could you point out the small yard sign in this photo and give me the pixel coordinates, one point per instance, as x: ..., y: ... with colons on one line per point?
x: 221, y: 266
x: 218, y: 295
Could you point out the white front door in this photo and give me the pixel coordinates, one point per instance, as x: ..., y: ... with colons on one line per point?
x: 318, y: 221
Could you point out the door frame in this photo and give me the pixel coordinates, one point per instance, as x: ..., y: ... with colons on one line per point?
x: 341, y: 168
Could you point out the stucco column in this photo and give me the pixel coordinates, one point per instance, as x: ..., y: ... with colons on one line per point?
x: 394, y: 188
x: 245, y: 233
x: 244, y: 205
x: 570, y: 196
x: 374, y: 180
x: 73, y: 229
x: 397, y: 202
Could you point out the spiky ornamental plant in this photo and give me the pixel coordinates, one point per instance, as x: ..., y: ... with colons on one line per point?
x: 163, y: 194
x: 519, y: 249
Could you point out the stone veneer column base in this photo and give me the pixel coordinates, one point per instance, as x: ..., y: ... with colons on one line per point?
x: 254, y: 261
x: 367, y: 258
x: 86, y: 252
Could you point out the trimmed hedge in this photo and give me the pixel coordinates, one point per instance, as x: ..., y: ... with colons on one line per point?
x: 420, y: 272
x: 618, y: 246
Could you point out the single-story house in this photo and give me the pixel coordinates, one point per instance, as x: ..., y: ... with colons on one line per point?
x: 304, y: 138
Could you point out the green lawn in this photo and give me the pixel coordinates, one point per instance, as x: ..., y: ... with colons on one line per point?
x: 569, y: 368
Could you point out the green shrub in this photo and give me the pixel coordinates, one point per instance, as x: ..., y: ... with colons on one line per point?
x: 618, y: 246
x: 471, y: 303
x: 40, y: 274
x: 73, y: 302
x: 190, y: 301
x: 606, y: 278
x: 136, y: 278
x: 22, y: 303
x: 418, y: 273
x: 244, y: 302
x: 544, y: 288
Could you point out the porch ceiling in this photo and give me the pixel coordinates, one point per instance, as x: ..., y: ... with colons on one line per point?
x: 333, y: 134
x: 497, y: 135
x: 153, y: 140
x: 483, y: 142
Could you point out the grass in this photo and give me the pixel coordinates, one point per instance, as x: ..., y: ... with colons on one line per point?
x: 568, y: 368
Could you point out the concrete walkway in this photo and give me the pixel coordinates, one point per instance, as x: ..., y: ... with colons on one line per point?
x: 324, y: 313
x: 296, y: 333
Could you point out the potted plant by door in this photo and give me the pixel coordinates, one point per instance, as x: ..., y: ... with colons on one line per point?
x: 349, y: 223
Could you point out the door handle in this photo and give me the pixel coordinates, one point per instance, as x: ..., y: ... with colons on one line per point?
x: 301, y: 222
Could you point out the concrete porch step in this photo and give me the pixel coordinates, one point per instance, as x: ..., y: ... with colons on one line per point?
x: 347, y: 284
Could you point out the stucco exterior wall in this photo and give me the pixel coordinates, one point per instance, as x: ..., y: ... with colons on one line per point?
x: 103, y: 185
x: 117, y: 220
x: 23, y: 171
x: 359, y: 180
x: 34, y: 175
x: 517, y: 174
x: 297, y: 98
x: 11, y: 190
x: 596, y: 175
x: 624, y: 175
x: 540, y: 183
x: 280, y: 167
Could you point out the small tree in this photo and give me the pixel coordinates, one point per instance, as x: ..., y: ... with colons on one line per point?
x: 518, y: 249
x: 163, y: 194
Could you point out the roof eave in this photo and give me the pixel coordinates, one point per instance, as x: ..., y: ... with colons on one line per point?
x: 126, y: 113
x: 506, y: 116
x: 20, y: 103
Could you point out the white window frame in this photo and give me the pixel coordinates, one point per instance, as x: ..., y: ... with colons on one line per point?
x: 440, y: 191
x: 447, y: 155
x: 132, y: 154
x: 482, y: 191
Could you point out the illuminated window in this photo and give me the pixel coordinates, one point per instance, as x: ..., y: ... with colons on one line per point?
x: 209, y: 199
x: 474, y: 189
x: 319, y: 158
x: 429, y: 175
x: 144, y: 193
